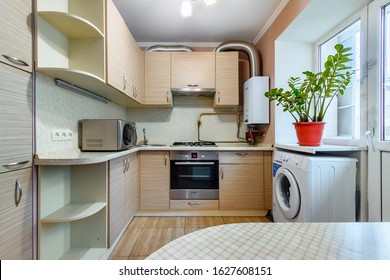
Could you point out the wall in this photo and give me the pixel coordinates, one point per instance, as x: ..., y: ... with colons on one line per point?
x: 58, y: 108
x: 286, y: 66
x: 266, y: 46
x: 180, y: 123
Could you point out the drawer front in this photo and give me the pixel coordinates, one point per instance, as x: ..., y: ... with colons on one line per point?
x: 194, y: 204
x: 241, y: 157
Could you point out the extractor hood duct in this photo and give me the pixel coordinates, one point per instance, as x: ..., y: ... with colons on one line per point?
x: 248, y: 48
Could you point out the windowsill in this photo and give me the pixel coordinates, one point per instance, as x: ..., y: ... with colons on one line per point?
x: 319, y: 149
x: 342, y: 141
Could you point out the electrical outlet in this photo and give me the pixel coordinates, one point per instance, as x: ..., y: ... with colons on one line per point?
x: 61, y: 135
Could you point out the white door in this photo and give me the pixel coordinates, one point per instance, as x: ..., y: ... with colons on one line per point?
x: 379, y: 111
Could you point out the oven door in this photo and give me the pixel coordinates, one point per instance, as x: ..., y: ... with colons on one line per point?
x: 194, y: 179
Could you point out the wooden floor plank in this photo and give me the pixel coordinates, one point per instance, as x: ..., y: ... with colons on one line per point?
x: 202, y: 222
x: 165, y: 222
x: 152, y: 239
x: 233, y: 220
x: 127, y: 242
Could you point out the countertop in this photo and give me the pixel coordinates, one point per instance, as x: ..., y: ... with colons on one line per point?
x: 77, y: 157
x: 318, y: 149
x: 281, y: 241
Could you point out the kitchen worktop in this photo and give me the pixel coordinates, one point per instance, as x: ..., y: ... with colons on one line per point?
x: 77, y: 157
x: 285, y: 241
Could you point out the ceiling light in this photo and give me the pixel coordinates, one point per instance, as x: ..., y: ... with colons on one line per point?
x: 186, y: 8
x: 210, y: 2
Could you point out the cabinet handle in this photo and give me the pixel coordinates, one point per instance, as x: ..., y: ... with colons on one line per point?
x: 124, y: 82
x: 15, y: 60
x: 128, y: 164
x: 221, y: 171
x: 18, y: 192
x: 124, y: 165
x: 167, y: 96
x: 166, y: 159
x: 15, y: 164
x: 241, y: 154
x: 192, y: 204
x: 192, y: 85
x: 219, y: 97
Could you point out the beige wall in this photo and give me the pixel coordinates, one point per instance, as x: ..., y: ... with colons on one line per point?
x: 266, y: 46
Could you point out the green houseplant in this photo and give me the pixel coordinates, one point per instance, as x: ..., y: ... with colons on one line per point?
x: 307, y: 99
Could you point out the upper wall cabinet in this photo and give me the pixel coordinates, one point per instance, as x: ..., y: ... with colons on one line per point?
x: 158, y: 78
x: 16, y: 33
x: 124, y: 58
x: 226, y: 80
x: 70, y: 39
x: 193, y: 69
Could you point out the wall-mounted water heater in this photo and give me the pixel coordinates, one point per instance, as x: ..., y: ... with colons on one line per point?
x: 256, y: 105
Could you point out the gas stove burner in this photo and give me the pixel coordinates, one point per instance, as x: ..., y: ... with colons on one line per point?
x: 196, y: 144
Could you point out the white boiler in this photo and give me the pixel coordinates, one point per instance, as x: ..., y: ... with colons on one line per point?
x: 256, y: 105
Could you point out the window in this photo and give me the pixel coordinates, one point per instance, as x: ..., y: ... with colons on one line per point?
x: 385, y: 98
x: 346, y: 111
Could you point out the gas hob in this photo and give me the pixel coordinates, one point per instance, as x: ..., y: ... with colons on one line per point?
x: 195, y: 144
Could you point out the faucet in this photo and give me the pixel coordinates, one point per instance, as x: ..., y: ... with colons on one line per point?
x: 145, y: 140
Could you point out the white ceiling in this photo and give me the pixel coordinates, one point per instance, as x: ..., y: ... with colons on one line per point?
x: 159, y: 21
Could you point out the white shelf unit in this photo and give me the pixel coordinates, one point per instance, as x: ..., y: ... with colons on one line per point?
x: 73, y: 211
x: 71, y: 39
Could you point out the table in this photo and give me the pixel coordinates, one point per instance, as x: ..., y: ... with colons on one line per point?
x: 281, y: 241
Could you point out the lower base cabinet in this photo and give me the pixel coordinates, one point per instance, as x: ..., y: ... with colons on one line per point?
x: 123, y: 194
x: 72, y: 211
x: 16, y: 229
x: 241, y: 181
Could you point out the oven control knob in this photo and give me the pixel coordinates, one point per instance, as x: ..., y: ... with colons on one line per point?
x: 187, y: 156
x: 202, y: 156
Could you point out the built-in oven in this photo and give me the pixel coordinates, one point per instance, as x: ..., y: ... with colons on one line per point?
x: 194, y: 175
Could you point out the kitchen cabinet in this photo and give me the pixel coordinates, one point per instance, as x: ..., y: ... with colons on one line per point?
x: 123, y: 194
x: 226, y: 80
x: 15, y: 119
x: 241, y: 182
x: 124, y: 58
x: 154, y: 180
x: 70, y: 40
x: 72, y: 211
x: 158, y: 78
x: 16, y: 229
x: 16, y: 33
x: 193, y: 70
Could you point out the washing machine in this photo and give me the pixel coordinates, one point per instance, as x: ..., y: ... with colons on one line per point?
x: 313, y: 188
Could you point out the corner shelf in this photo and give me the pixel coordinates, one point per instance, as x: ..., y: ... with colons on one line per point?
x: 73, y: 212
x: 72, y: 26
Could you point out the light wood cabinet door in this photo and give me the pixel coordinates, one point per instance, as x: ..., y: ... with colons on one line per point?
x: 241, y: 181
x: 158, y: 78
x: 124, y: 58
x: 16, y: 33
x: 15, y: 118
x: 132, y: 185
x: 226, y: 80
x: 193, y: 70
x: 16, y: 227
x: 154, y: 180
x: 117, y: 202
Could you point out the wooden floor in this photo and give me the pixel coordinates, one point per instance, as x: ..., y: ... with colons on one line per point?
x: 145, y: 235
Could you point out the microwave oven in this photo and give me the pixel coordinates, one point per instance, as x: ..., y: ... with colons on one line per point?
x: 108, y: 135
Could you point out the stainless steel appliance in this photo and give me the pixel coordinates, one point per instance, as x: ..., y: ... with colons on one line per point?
x: 108, y: 135
x: 194, y: 175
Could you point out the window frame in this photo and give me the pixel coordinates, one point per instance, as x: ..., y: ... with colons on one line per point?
x: 362, y: 15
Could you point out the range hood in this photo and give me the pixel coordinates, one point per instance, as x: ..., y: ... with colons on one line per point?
x: 193, y: 91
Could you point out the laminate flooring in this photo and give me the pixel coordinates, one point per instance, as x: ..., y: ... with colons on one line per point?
x: 144, y: 235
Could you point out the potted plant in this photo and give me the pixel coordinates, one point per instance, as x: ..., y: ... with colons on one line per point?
x: 308, y: 99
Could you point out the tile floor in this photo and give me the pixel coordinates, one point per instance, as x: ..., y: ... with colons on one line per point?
x: 145, y: 235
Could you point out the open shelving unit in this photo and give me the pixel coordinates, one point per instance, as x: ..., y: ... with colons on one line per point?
x: 73, y: 211
x: 71, y: 40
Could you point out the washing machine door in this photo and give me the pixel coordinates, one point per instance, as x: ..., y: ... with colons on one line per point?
x: 287, y: 193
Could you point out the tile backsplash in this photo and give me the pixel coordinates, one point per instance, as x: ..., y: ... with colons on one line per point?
x: 58, y: 108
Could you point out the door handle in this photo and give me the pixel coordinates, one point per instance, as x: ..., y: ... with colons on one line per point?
x: 18, y: 192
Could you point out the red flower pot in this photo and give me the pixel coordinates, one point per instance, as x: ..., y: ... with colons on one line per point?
x: 309, y: 133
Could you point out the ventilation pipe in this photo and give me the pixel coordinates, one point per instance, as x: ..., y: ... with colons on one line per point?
x: 248, y: 48
x: 163, y: 48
